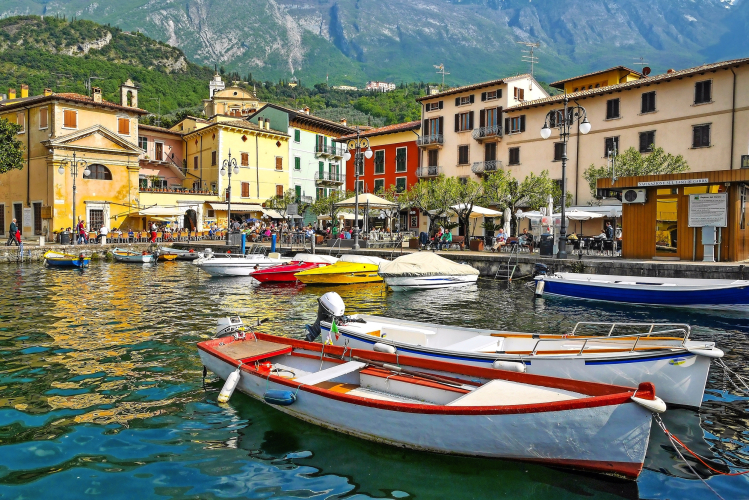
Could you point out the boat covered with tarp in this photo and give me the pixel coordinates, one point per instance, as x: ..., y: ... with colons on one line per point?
x: 423, y: 270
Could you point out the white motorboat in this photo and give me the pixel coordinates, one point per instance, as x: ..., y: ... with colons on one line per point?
x: 663, y: 355
x: 125, y: 255
x: 236, y: 265
x: 425, y: 270
x: 437, y: 406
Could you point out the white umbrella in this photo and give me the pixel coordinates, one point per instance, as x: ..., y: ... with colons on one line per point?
x: 578, y: 215
x: 506, y: 218
x: 532, y: 215
x: 549, y: 212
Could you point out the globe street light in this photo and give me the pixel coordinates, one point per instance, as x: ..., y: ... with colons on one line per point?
x: 357, y: 145
x: 73, y: 164
x: 564, y: 123
x: 229, y: 166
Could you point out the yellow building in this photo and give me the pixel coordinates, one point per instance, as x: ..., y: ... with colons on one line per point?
x: 233, y: 101
x: 603, y: 78
x: 56, y: 126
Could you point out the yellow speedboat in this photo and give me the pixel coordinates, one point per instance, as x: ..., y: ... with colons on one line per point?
x: 348, y: 270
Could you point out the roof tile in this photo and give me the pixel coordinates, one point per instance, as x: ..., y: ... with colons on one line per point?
x: 387, y: 129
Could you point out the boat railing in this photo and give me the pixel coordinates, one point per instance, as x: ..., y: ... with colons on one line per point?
x: 650, y: 326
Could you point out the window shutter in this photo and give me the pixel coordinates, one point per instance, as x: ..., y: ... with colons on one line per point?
x: 482, y: 117
x: 425, y: 130
x: 522, y: 123
x: 483, y: 96
x: 457, y: 101
x: 498, y: 119
x: 643, y: 109
x: 643, y: 141
x: 616, y: 107
x: 441, y: 126
x: 440, y: 105
x: 521, y: 94
x: 507, y: 125
x: 457, y: 122
x: 471, y: 98
x: 515, y: 92
x: 279, y: 163
x: 707, y: 90
x: 470, y: 119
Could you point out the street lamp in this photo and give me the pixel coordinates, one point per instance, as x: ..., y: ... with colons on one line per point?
x: 229, y: 166
x: 357, y: 145
x: 564, y: 124
x: 74, y: 163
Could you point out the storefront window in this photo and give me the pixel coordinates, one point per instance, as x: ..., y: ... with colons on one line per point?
x: 666, y: 223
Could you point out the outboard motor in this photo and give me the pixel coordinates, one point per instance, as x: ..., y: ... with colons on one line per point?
x: 229, y: 325
x: 330, y: 307
x: 540, y: 270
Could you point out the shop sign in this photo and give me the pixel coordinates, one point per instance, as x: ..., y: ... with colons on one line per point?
x: 708, y: 210
x: 680, y: 182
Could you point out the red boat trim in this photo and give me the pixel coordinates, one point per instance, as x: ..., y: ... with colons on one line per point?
x: 381, y: 373
x: 628, y: 469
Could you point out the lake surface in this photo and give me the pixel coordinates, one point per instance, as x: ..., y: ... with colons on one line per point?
x: 102, y: 395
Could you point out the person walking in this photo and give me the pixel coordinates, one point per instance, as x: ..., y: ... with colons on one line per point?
x: 153, y: 232
x: 12, y: 234
x: 609, y: 230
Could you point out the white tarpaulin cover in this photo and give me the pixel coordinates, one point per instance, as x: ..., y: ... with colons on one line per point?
x: 362, y: 259
x: 424, y: 264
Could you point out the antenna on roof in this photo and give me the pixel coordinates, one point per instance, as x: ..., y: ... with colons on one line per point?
x: 530, y: 57
x: 640, y: 61
x: 88, y: 83
x: 441, y: 71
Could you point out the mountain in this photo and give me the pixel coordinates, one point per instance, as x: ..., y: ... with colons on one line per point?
x: 353, y: 41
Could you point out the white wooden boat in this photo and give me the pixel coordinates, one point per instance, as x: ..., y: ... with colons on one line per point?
x: 441, y: 407
x: 426, y: 270
x: 236, y: 265
x: 125, y: 255
x: 663, y: 355
x: 730, y: 295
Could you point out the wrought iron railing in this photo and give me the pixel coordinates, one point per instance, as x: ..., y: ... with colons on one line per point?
x: 332, y: 177
x: 429, y: 171
x: 426, y: 140
x: 487, y: 132
x: 329, y: 150
x: 486, y: 167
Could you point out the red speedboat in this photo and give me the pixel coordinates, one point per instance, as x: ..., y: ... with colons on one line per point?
x: 285, y: 273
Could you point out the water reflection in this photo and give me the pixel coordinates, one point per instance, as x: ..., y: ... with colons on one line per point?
x: 100, y: 387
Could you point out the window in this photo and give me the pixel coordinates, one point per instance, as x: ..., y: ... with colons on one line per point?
x: 463, y: 155
x: 297, y: 135
x: 21, y: 121
x: 297, y: 193
x: 515, y: 124
x: 142, y: 182
x: 69, y: 118
x: 648, y: 102
x: 360, y: 187
x: 379, y: 185
x: 213, y: 158
x: 462, y: 101
x: 489, y: 117
x: 519, y: 94
x: 37, y: 206
x: 43, y: 118
x: 703, y: 92
x: 610, y: 144
x: 433, y: 126
x: 490, y: 151
x: 195, y: 163
x: 158, y: 151
x: 123, y: 126
x: 434, y: 106
x: 279, y: 163
x: 463, y: 180
x: 491, y: 95
x: 297, y: 163
x: 463, y: 121
x: 701, y: 136
x: 647, y: 141
x: 379, y: 161
x: 612, y: 109
x: 211, y: 214
x: 558, y: 151
x: 400, y: 159
x: 432, y: 157
x: 279, y: 190
x: 244, y: 159
x: 514, y: 156
x: 95, y: 219
x: 214, y: 187
x: 18, y: 213
x: 557, y: 118
x: 99, y: 172
x: 400, y: 184
x: 245, y: 190
x: 143, y: 142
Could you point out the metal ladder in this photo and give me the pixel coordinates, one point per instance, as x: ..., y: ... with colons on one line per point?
x: 506, y: 269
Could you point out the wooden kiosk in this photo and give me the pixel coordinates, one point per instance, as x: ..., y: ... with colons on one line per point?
x: 656, y: 214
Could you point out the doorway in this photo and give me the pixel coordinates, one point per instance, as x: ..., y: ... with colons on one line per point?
x: 666, y: 223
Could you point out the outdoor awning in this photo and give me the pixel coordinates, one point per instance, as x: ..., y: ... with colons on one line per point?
x: 271, y: 213
x: 478, y: 211
x: 236, y: 207
x: 341, y: 215
x: 366, y: 199
x: 162, y: 211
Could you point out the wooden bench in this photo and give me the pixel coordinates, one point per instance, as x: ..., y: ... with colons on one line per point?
x: 460, y: 241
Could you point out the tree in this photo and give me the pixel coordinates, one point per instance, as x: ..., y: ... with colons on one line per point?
x: 504, y: 191
x: 632, y: 162
x: 281, y: 203
x: 327, y: 205
x: 11, y: 149
x: 467, y: 195
x: 433, y: 197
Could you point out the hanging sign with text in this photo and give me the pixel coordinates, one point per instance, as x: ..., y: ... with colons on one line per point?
x: 708, y: 210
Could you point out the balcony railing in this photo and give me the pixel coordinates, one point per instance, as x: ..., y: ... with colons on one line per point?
x: 333, y: 150
x: 430, y: 140
x: 495, y: 131
x: 329, y: 178
x: 305, y: 199
x: 177, y: 191
x: 430, y: 171
x: 486, y: 167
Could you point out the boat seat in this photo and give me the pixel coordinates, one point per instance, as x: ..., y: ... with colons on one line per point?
x: 477, y: 343
x: 507, y: 393
x: 330, y: 373
x: 415, y: 336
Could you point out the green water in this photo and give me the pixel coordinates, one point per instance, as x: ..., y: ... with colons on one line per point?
x: 101, y: 395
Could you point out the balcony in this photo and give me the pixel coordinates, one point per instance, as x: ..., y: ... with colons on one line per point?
x: 173, y: 190
x: 332, y: 151
x: 486, y: 167
x: 430, y: 171
x: 430, y: 141
x: 487, y: 134
x: 329, y: 179
x: 305, y: 199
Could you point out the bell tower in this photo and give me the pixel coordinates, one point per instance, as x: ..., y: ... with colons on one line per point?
x: 129, y: 94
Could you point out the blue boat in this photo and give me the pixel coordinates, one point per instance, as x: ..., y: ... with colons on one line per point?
x: 730, y: 295
x: 59, y: 259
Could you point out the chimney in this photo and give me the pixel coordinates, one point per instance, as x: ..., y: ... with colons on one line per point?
x: 11, y: 93
x: 306, y: 110
x: 47, y: 92
x: 267, y: 124
x: 669, y: 71
x: 96, y: 91
x: 24, y: 90
x: 343, y: 122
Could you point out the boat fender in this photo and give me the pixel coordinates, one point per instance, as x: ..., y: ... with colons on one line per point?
x: 708, y: 353
x: 231, y: 383
x: 281, y: 398
x: 380, y: 347
x: 539, y: 291
x: 510, y: 366
x: 645, y: 397
x: 392, y: 367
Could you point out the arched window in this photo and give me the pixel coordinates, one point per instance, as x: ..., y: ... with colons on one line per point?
x: 99, y: 172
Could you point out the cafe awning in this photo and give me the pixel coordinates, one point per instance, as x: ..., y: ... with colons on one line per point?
x: 237, y: 207
x: 366, y: 199
x: 162, y: 211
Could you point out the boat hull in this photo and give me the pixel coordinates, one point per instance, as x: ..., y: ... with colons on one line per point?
x: 235, y: 266
x: 610, y: 439
x: 133, y: 259
x: 679, y: 376
x: 283, y: 273
x: 341, y: 273
x: 66, y: 260
x: 404, y: 283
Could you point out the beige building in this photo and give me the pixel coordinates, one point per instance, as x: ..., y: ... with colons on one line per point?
x: 462, y: 129
x: 233, y: 101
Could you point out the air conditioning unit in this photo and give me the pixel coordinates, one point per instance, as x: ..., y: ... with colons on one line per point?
x: 635, y: 196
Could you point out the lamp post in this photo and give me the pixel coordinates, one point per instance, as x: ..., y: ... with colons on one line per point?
x: 229, y: 166
x: 564, y: 124
x: 74, y: 163
x: 357, y: 145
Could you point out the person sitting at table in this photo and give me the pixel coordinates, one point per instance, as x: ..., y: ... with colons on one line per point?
x: 130, y: 235
x: 446, y: 240
x: 500, y: 240
x: 347, y: 235
x: 601, y: 236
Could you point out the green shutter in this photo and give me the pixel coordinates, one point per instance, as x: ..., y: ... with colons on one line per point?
x: 298, y: 192
x: 321, y: 166
x: 297, y: 163
x: 297, y: 135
